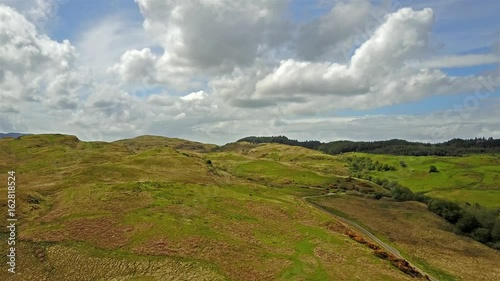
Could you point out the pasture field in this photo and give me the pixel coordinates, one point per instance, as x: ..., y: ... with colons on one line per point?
x: 472, y: 178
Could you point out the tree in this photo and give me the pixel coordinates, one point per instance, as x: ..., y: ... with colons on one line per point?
x: 209, y: 162
x: 448, y: 210
x: 433, y: 169
x: 402, y: 193
x: 481, y: 234
x: 467, y: 223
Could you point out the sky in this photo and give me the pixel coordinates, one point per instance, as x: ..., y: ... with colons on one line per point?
x: 215, y: 71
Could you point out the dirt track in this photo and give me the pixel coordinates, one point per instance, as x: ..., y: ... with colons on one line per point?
x: 382, y: 244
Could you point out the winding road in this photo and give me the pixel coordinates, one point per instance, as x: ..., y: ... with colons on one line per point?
x: 381, y: 243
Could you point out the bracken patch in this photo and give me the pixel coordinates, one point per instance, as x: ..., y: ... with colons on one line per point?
x: 102, y: 232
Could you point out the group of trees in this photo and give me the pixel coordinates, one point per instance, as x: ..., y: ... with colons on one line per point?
x: 360, y: 165
x: 479, y: 223
x: 398, y: 192
x: 454, y: 147
x: 475, y: 221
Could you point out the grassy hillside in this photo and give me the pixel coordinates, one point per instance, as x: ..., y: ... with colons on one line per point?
x: 147, y: 142
x: 472, y: 178
x: 421, y: 235
x: 154, y: 208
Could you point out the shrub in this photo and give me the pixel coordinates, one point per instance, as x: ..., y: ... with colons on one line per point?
x: 448, y: 210
x: 401, y: 193
x: 209, y: 162
x: 433, y: 169
x: 377, y: 195
x: 495, y: 245
x: 385, y: 183
x: 421, y: 198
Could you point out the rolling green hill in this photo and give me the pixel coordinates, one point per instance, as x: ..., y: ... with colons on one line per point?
x: 154, y: 208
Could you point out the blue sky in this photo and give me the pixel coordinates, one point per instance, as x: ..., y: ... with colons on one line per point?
x: 215, y: 70
x: 75, y: 16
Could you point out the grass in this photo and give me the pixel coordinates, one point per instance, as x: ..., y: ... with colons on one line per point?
x: 487, y: 198
x: 152, y: 202
x: 472, y: 178
x: 272, y: 172
x: 421, y: 236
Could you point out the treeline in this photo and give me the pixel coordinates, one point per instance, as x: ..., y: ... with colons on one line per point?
x: 454, y: 147
x: 479, y: 223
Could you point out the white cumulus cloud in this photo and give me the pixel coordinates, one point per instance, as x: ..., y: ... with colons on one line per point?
x: 33, y: 67
x: 194, y: 96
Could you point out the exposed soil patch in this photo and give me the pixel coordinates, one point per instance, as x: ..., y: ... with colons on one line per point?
x: 401, y: 264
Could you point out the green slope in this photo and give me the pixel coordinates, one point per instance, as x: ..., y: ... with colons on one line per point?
x: 472, y: 178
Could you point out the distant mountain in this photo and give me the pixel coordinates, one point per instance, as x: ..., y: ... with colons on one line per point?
x: 11, y: 135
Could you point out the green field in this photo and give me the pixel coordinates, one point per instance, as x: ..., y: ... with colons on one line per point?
x: 154, y: 208
x: 473, y: 178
